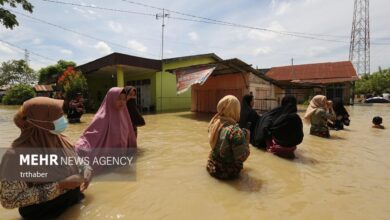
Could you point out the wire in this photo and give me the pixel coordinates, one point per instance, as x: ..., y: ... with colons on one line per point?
x: 22, y: 49
x: 79, y: 33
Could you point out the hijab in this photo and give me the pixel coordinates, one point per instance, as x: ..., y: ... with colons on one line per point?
x: 35, y: 120
x: 131, y: 104
x: 110, y: 128
x: 228, y: 112
x: 339, y: 108
x: 318, y: 101
x: 282, y: 123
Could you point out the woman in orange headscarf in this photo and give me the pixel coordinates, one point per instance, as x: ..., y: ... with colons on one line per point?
x: 41, y: 121
x: 229, y: 143
x: 317, y: 114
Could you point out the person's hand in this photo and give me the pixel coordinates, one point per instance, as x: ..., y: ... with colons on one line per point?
x: 248, y: 135
x: 87, y: 179
x: 71, y: 182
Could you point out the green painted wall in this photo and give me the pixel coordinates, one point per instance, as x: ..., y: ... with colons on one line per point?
x: 169, y: 100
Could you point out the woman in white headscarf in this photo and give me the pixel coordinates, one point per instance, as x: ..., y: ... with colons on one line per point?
x: 229, y: 143
x: 317, y: 114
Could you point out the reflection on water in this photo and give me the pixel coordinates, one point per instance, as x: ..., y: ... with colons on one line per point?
x: 345, y: 177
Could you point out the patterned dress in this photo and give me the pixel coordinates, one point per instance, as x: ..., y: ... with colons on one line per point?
x: 319, y: 121
x: 227, y: 157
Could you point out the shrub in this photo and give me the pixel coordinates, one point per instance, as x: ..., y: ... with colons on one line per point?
x: 18, y: 94
x: 72, y: 82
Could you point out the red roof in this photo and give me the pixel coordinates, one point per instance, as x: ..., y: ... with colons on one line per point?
x: 321, y: 73
x: 43, y: 88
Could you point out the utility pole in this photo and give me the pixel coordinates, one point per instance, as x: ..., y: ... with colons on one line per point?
x: 359, y: 50
x: 26, y: 56
x: 163, y: 16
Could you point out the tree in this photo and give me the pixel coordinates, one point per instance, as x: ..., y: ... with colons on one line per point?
x: 15, y: 72
x: 7, y: 18
x: 49, y: 74
x: 72, y: 82
x: 377, y: 83
x: 18, y: 94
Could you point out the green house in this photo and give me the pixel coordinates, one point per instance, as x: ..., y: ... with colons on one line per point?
x: 156, y: 91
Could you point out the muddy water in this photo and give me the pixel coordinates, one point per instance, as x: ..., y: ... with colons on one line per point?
x: 345, y: 177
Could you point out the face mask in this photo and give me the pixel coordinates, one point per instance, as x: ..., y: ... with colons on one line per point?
x: 59, y: 125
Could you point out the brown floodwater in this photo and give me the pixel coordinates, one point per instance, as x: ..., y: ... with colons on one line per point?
x: 344, y: 177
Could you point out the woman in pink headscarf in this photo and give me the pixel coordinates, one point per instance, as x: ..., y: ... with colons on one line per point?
x: 111, y: 132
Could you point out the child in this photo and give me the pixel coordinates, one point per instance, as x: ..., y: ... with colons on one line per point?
x: 377, y: 121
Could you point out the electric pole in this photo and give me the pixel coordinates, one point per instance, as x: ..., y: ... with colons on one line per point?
x: 163, y: 16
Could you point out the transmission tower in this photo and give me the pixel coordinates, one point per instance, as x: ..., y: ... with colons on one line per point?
x: 359, y: 50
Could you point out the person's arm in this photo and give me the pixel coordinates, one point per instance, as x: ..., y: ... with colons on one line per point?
x: 14, y: 194
x: 240, y: 144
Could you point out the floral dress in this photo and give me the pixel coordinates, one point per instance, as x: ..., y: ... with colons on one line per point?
x: 227, y: 157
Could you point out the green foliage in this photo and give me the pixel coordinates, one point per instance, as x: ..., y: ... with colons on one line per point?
x: 6, y: 17
x: 378, y: 83
x: 49, y: 74
x: 72, y: 82
x: 18, y: 94
x: 15, y: 72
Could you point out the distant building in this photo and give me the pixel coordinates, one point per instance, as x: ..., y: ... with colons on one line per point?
x: 44, y: 90
x: 333, y: 79
x: 155, y: 91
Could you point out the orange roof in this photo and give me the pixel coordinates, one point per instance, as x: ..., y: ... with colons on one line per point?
x: 321, y: 73
x: 43, y: 88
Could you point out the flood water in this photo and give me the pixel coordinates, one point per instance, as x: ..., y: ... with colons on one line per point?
x: 345, y: 177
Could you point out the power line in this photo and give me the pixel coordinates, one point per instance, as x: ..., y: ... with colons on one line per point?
x: 200, y: 19
x: 23, y: 49
x: 78, y: 33
x: 101, y: 8
x: 215, y: 21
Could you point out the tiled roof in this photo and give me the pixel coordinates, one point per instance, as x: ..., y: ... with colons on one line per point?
x: 43, y: 88
x: 315, y: 73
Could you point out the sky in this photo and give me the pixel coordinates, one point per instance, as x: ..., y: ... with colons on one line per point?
x: 101, y: 32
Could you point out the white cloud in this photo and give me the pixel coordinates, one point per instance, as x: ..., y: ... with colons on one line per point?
x: 5, y: 49
x: 103, y: 48
x: 135, y: 45
x: 266, y: 35
x: 193, y: 36
x: 283, y: 8
x: 66, y: 52
x: 37, y: 41
x: 261, y: 51
x: 316, y: 51
x: 115, y: 26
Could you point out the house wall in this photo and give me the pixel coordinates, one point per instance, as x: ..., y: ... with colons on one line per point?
x: 206, y: 97
x: 264, y: 93
x: 167, y: 99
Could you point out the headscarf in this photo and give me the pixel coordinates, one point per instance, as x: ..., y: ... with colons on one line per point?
x: 35, y: 119
x: 135, y: 115
x: 110, y: 128
x: 282, y: 123
x: 248, y: 116
x: 318, y: 101
x: 339, y: 108
x: 228, y: 112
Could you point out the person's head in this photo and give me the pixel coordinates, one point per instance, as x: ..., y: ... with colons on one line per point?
x: 377, y: 120
x: 229, y: 107
x: 319, y: 101
x: 249, y: 100
x: 131, y: 92
x: 43, y: 113
x: 120, y: 101
x: 289, y: 99
x: 289, y: 103
x: 329, y: 104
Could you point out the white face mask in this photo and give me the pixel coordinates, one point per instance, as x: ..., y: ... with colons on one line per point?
x: 59, y: 125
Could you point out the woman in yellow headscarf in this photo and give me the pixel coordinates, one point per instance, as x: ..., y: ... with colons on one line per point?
x: 317, y: 114
x: 229, y: 143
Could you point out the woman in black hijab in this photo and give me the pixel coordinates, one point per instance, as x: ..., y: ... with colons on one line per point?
x: 248, y: 116
x: 342, y: 116
x: 136, y: 118
x: 280, y: 130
